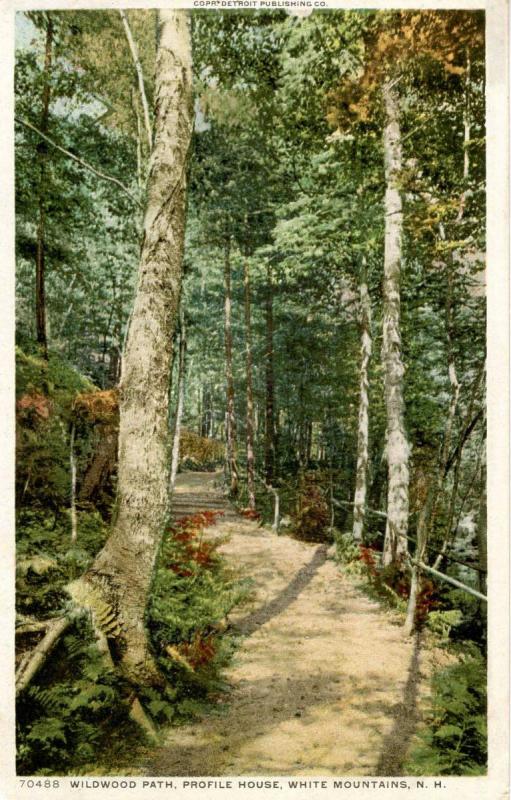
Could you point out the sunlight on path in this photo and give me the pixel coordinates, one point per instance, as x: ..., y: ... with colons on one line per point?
x: 323, y: 682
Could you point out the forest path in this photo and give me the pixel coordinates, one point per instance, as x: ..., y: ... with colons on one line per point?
x: 323, y: 682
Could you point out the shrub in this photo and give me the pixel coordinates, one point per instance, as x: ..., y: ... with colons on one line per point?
x: 198, y: 452
x: 311, y: 517
x: 191, y: 596
x: 45, y: 394
x: 76, y: 712
x: 454, y: 739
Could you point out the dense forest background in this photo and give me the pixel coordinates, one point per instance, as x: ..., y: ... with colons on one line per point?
x: 329, y: 347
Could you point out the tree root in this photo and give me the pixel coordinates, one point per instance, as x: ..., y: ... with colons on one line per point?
x: 139, y: 716
x: 31, y: 666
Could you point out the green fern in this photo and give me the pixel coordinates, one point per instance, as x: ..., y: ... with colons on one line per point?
x: 47, y: 730
x: 454, y: 740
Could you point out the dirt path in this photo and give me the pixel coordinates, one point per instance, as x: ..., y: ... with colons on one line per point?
x: 323, y: 682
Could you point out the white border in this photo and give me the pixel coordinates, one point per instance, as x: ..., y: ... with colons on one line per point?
x: 495, y: 785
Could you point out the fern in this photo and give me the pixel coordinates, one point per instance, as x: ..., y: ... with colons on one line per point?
x: 74, y: 712
x: 47, y: 731
x: 454, y: 741
x: 51, y: 699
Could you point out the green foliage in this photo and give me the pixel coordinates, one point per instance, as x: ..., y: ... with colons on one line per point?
x: 191, y: 597
x: 42, y: 539
x: 454, y: 739
x: 347, y: 553
x: 311, y: 517
x: 288, y: 166
x: 45, y: 392
x: 442, y: 622
x: 472, y: 623
x: 76, y: 714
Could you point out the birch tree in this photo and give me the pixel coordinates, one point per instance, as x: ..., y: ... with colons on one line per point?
x: 397, y: 447
x: 140, y: 77
x: 250, y: 391
x: 120, y: 576
x: 40, y: 293
x: 230, y: 418
x: 269, y: 436
x: 359, y: 503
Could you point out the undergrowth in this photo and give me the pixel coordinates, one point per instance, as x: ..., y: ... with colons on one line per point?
x: 75, y: 714
x: 453, y: 737
x: 74, y: 717
x: 192, y: 594
x: 453, y: 740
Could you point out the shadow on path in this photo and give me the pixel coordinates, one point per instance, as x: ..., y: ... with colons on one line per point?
x: 406, y: 713
x: 249, y: 624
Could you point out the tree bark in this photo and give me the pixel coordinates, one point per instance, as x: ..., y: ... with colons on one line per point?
x: 102, y: 464
x: 359, y: 503
x: 121, y: 573
x: 134, y: 106
x: 230, y: 419
x: 72, y: 465
x: 29, y: 668
x: 269, y: 440
x: 250, y: 393
x: 482, y: 530
x: 180, y: 401
x: 40, y: 293
x: 395, y: 544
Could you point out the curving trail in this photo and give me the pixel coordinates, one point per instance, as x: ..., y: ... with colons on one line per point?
x: 323, y: 682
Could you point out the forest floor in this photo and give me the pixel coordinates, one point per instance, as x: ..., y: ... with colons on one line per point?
x: 323, y: 682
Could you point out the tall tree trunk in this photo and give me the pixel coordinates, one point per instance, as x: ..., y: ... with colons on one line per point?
x: 140, y: 77
x: 360, y: 500
x: 180, y: 400
x: 121, y: 573
x: 72, y: 465
x: 269, y: 440
x: 199, y: 409
x: 395, y: 545
x: 230, y: 419
x: 40, y: 293
x: 134, y: 105
x: 250, y: 393
x: 206, y: 412
x: 482, y: 525
x: 102, y: 464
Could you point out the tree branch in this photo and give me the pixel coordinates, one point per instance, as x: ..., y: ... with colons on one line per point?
x: 28, y: 669
x: 80, y: 161
x: 464, y: 436
x: 140, y: 76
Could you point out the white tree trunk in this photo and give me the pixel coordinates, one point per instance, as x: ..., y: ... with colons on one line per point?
x: 140, y: 77
x: 250, y: 393
x: 230, y: 418
x: 395, y: 545
x: 72, y: 464
x: 359, y: 503
x: 121, y: 573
